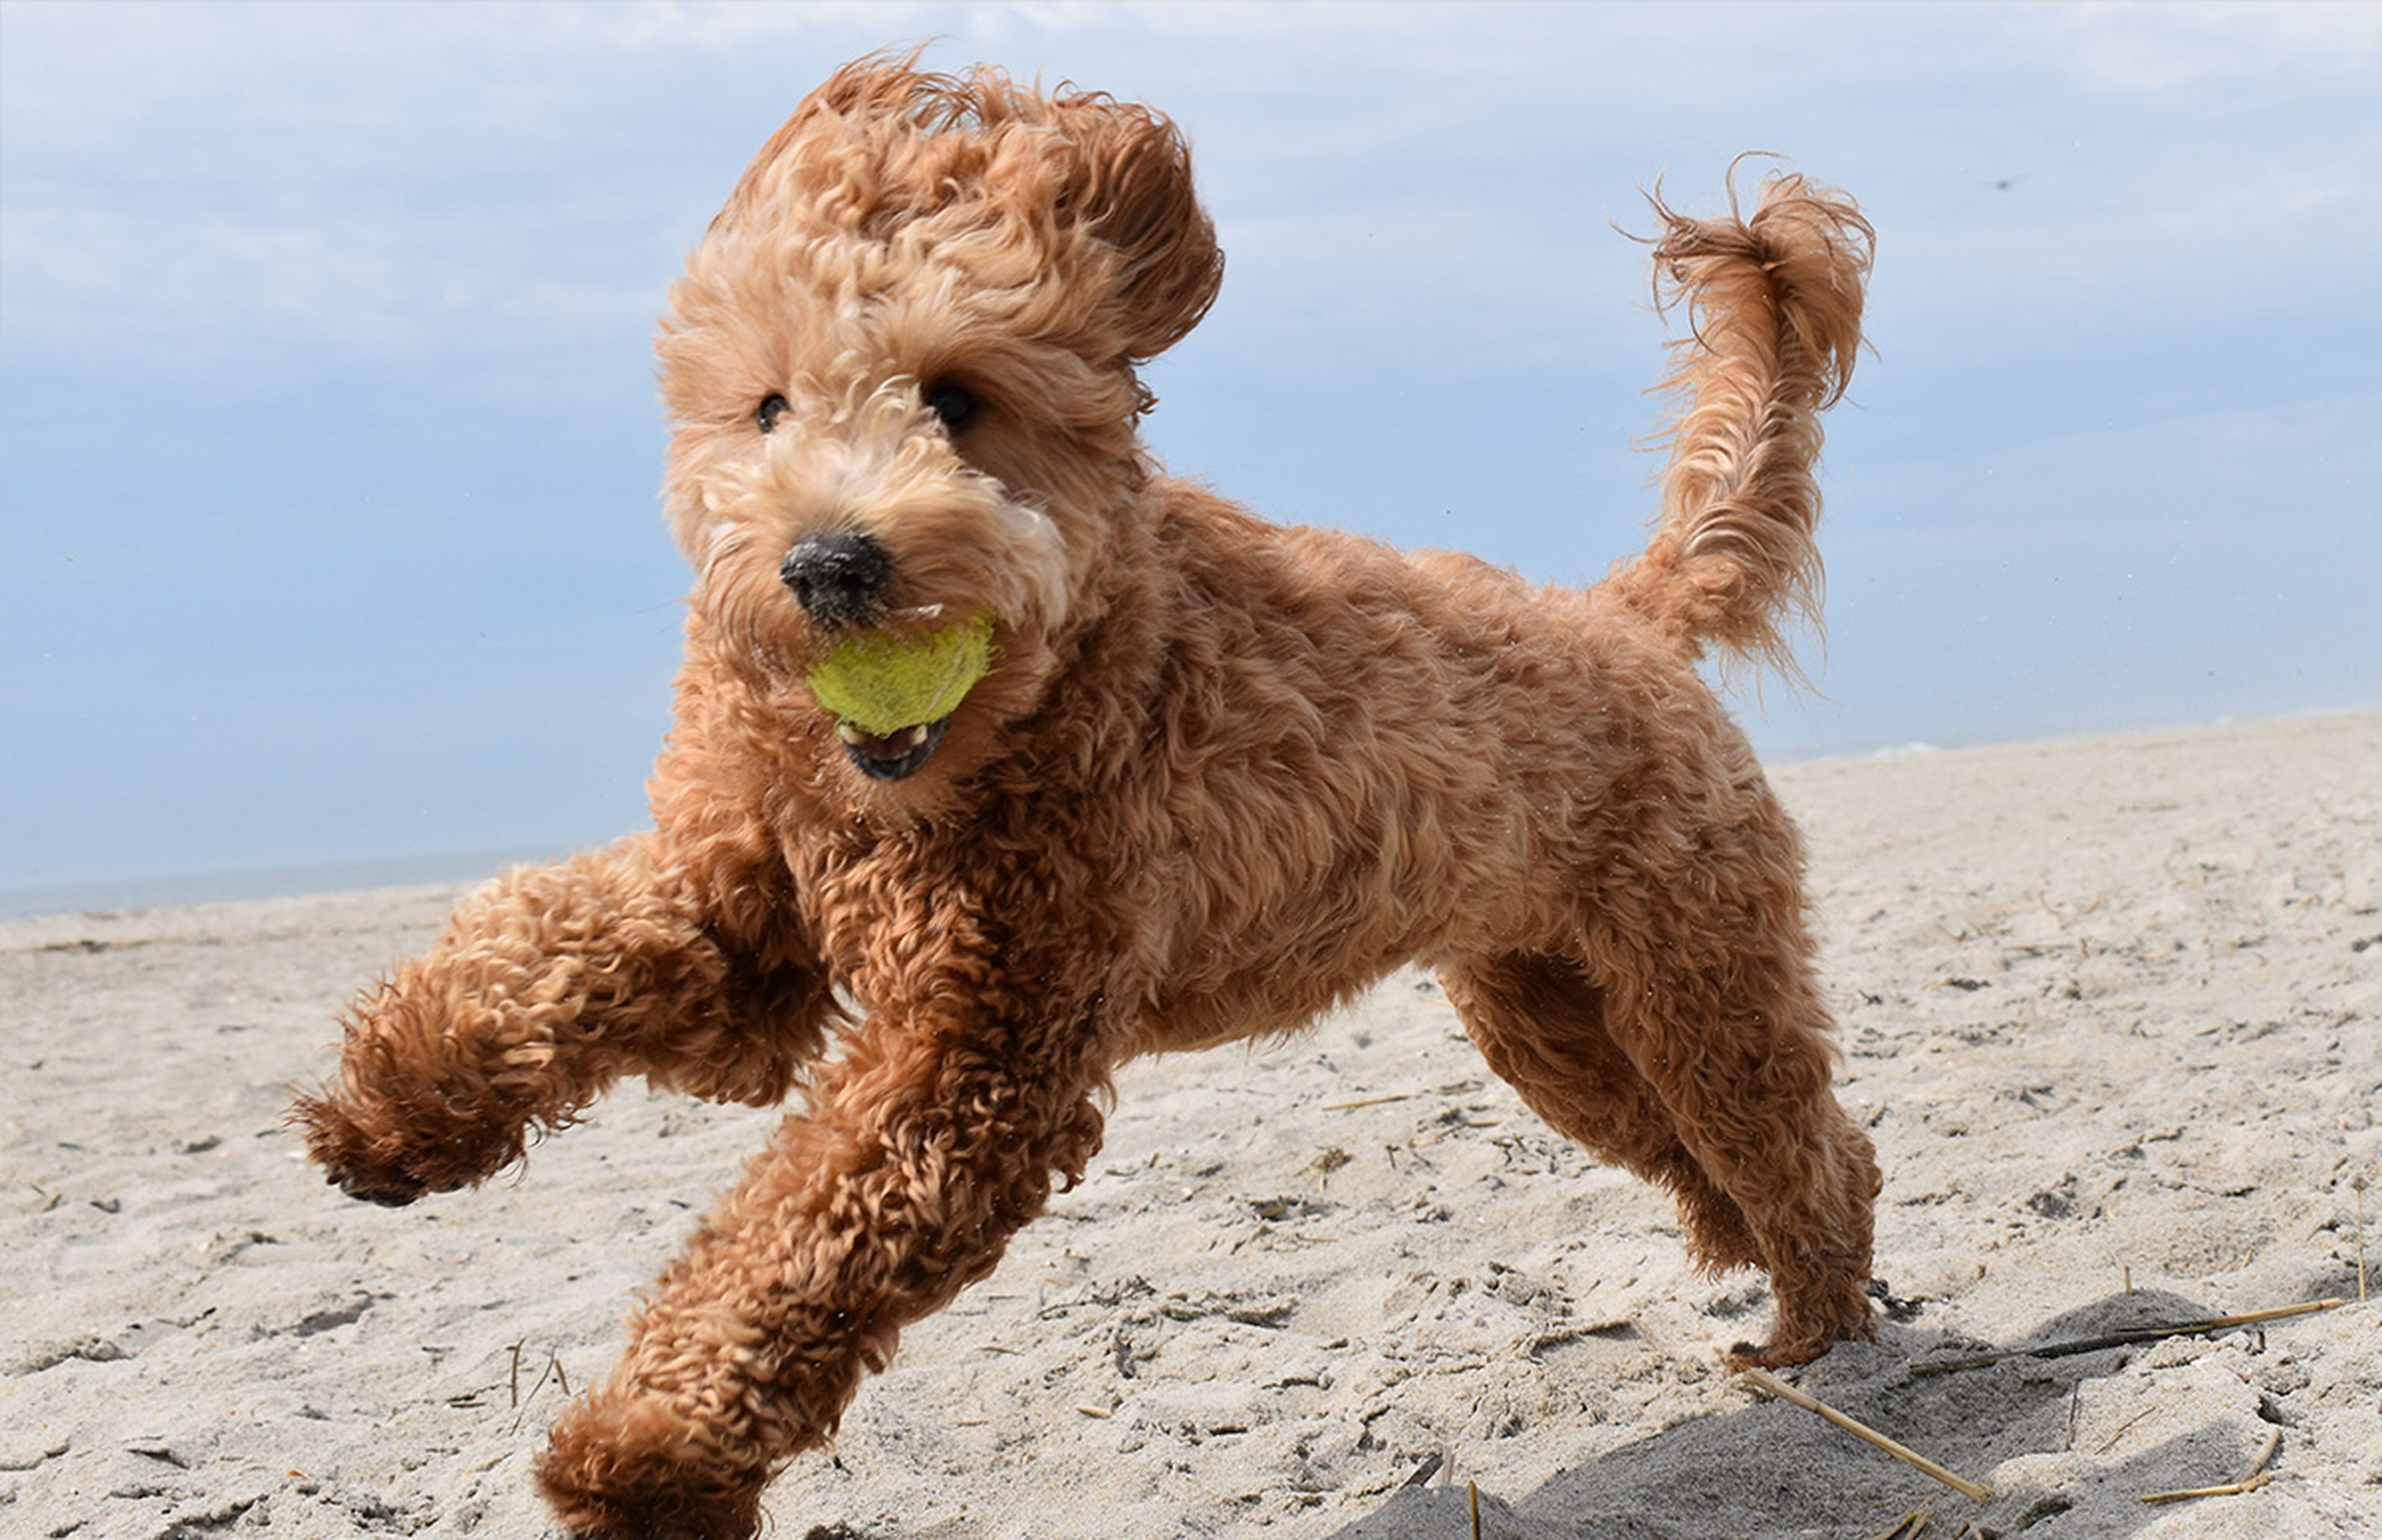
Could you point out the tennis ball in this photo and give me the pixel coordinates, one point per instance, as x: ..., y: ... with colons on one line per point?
x: 881, y: 681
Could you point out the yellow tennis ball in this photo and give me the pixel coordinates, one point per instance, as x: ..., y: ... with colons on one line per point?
x: 883, y: 681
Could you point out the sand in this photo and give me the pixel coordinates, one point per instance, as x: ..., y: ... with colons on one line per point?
x: 2110, y: 1009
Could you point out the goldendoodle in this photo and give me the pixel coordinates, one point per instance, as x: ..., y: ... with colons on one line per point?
x: 1001, y: 757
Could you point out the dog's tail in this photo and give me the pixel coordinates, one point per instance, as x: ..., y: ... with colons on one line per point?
x: 1773, y: 303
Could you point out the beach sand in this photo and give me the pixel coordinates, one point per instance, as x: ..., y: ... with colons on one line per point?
x: 2112, y: 1010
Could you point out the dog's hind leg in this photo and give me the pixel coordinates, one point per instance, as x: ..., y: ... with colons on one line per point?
x: 548, y: 984
x: 1539, y: 1022
x: 1711, y: 997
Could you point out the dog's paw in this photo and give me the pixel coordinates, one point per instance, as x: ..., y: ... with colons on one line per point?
x: 625, y: 1472
x: 385, y: 1164
x: 1772, y: 1355
x: 1801, y: 1335
x: 379, y: 1191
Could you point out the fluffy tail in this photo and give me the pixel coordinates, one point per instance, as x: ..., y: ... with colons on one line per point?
x: 1773, y: 305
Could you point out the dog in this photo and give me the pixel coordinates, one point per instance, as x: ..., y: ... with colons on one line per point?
x: 1190, y: 777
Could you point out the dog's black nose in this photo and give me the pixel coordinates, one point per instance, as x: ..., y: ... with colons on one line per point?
x: 839, y: 578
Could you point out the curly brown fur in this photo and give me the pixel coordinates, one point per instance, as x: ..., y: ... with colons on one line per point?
x: 1221, y: 776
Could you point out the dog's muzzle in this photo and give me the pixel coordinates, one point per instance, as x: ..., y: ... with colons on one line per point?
x: 841, y: 580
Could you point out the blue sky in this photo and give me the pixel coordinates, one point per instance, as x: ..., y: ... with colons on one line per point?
x: 328, y: 441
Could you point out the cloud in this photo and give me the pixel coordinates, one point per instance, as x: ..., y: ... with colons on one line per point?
x: 2138, y: 50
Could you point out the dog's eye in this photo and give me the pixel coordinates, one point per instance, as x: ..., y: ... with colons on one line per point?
x: 954, y: 404
x: 772, y: 408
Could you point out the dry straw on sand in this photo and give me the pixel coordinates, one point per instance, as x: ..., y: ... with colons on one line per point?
x: 1771, y: 1385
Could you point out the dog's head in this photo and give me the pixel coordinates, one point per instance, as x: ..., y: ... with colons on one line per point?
x: 902, y: 370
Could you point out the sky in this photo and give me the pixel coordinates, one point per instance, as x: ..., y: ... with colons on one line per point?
x: 328, y: 438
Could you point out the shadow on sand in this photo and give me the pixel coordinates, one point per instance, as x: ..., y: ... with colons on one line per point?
x: 1770, y: 1469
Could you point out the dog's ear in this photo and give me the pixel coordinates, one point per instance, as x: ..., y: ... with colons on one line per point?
x: 1132, y: 191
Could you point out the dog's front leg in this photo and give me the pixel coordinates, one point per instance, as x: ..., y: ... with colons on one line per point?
x: 925, y: 1147
x: 548, y: 984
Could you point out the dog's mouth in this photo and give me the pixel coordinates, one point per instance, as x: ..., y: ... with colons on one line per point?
x: 891, y: 756
x: 893, y: 690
